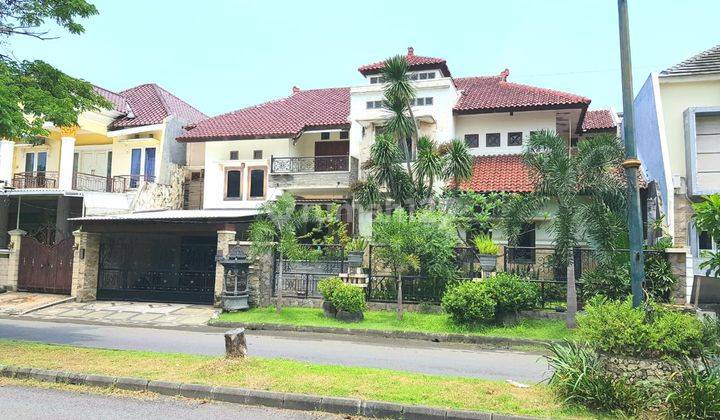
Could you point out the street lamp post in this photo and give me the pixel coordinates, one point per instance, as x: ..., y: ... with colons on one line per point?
x: 631, y: 163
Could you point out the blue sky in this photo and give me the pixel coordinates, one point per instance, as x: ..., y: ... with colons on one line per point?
x: 222, y: 55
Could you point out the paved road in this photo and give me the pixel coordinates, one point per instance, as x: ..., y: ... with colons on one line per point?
x: 407, y: 355
x: 16, y: 403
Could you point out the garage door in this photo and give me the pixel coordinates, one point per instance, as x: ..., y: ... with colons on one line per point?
x: 157, y: 268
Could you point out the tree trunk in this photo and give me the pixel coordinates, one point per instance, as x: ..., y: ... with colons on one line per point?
x: 279, y: 286
x: 399, y: 299
x: 571, y: 293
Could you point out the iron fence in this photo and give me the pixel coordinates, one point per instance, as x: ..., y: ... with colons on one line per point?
x: 37, y: 179
x: 300, y: 276
x: 304, y: 164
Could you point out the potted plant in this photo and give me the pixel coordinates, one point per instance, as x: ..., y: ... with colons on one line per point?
x: 356, y: 250
x: 488, y: 251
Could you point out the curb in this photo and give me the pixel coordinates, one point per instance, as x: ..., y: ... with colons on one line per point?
x: 194, y: 328
x: 289, y: 401
x: 496, y: 342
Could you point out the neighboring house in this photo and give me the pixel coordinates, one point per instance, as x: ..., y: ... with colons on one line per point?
x: 313, y: 143
x: 677, y: 129
x: 114, y: 161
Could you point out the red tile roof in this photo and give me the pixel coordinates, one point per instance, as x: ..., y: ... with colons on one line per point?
x: 150, y: 104
x: 119, y: 103
x: 496, y: 94
x: 287, y: 117
x: 415, y: 62
x: 499, y: 173
x: 599, y: 120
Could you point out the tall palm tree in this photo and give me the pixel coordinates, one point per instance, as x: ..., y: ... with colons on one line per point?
x: 399, y: 95
x: 458, y: 161
x: 589, y: 194
x: 429, y: 166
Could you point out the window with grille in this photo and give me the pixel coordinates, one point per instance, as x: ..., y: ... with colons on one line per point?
x: 515, y: 139
x: 472, y: 140
x: 492, y: 140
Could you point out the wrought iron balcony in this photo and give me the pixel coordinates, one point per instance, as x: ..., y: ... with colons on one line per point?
x: 313, y: 171
x: 36, y: 179
x: 305, y: 164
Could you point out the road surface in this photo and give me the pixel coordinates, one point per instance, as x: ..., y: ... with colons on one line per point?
x: 406, y: 355
x: 19, y: 403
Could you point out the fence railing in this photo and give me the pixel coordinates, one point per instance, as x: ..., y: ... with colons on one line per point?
x: 123, y: 183
x: 300, y: 276
x: 36, y: 179
x: 309, y: 164
x: 91, y: 182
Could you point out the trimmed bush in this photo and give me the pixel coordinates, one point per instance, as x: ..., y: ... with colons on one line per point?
x: 469, y: 303
x: 617, y: 328
x: 512, y: 293
x: 348, y: 298
x: 327, y: 287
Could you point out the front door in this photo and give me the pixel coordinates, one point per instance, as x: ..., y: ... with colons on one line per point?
x: 93, y: 162
x: 331, y: 156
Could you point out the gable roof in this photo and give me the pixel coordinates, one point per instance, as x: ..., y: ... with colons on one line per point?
x: 415, y: 62
x: 287, y: 117
x: 707, y: 62
x: 487, y: 94
x: 118, y: 101
x: 150, y: 104
x: 599, y: 120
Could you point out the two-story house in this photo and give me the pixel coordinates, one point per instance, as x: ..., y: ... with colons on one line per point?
x: 677, y: 129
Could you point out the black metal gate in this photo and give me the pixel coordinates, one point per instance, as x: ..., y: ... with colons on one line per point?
x: 157, y: 268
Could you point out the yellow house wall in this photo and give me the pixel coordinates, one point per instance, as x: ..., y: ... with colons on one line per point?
x: 51, y: 146
x: 676, y: 98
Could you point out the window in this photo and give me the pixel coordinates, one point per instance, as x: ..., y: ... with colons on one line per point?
x: 325, y: 135
x: 344, y: 135
x: 515, y: 139
x: 425, y: 75
x: 705, y: 242
x: 232, y: 184
x: 376, y: 79
x: 492, y: 140
x: 472, y: 140
x: 257, y: 183
x: 524, y: 252
x: 374, y: 104
x: 35, y: 162
x: 257, y: 154
x: 234, y: 155
x: 421, y: 101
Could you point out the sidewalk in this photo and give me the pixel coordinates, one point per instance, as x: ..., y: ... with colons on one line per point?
x: 18, y: 303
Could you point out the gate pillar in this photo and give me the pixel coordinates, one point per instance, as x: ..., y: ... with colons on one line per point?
x: 224, y: 237
x: 13, y: 266
x: 86, y: 261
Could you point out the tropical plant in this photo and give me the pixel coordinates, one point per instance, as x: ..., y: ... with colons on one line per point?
x: 707, y: 219
x: 327, y: 226
x: 276, y: 228
x: 512, y: 293
x: 348, y: 298
x: 587, y: 190
x: 357, y: 244
x: 485, y: 245
x: 328, y: 286
x: 474, y: 213
x: 469, y: 303
x: 695, y: 391
x: 33, y: 93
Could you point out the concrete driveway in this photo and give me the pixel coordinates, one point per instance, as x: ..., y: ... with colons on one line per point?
x: 18, y: 303
x: 127, y: 313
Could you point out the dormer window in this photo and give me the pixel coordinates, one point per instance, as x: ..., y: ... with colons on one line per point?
x: 374, y: 80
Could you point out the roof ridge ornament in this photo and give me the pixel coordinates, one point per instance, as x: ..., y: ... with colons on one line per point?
x: 504, y: 74
x: 411, y: 51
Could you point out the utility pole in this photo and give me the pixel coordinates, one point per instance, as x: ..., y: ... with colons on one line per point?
x: 631, y: 163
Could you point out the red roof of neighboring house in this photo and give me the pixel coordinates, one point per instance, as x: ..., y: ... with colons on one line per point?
x: 496, y: 94
x: 150, y: 104
x: 599, y: 120
x: 499, y: 173
x: 415, y: 62
x: 287, y: 117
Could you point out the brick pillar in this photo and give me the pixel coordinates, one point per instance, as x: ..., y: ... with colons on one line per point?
x: 224, y: 238
x: 259, y: 277
x: 678, y: 261
x: 86, y: 261
x: 13, y: 266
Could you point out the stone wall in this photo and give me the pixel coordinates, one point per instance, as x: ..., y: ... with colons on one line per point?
x: 678, y: 262
x: 86, y: 261
x: 259, y: 277
x: 683, y: 215
x: 635, y: 370
x: 156, y: 196
x: 4, y: 267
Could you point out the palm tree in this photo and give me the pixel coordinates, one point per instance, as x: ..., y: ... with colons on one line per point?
x: 589, y: 194
x: 458, y: 161
x: 429, y: 166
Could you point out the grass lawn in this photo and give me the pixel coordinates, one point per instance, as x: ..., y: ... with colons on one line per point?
x: 292, y: 376
x: 545, y: 329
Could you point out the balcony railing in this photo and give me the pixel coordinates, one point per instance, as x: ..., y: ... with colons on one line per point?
x: 309, y: 164
x: 91, y: 182
x: 36, y: 179
x: 123, y: 183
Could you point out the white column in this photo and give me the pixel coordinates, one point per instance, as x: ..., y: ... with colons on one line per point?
x: 7, y: 148
x: 67, y: 152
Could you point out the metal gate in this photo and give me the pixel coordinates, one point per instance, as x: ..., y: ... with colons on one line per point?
x: 45, y: 268
x: 157, y: 268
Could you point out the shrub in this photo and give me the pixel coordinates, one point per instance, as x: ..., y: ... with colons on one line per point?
x: 612, y: 279
x: 348, y: 298
x: 579, y: 377
x: 711, y: 335
x: 512, y: 293
x: 695, y: 392
x: 616, y: 327
x: 469, y: 303
x: 327, y: 287
x: 485, y: 245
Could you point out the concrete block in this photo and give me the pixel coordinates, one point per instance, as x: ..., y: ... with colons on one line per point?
x: 463, y: 415
x: 44, y: 375
x: 164, y: 387
x: 131, y: 384
x: 511, y: 417
x: 265, y: 398
x: 231, y: 395
x: 424, y: 413
x: 340, y: 405
x: 21, y: 372
x: 73, y: 378
x: 382, y: 410
x: 302, y: 402
x: 99, y: 380
x: 203, y: 392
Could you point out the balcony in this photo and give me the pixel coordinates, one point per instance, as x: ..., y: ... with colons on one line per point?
x: 37, y: 179
x: 313, y: 172
x: 81, y: 181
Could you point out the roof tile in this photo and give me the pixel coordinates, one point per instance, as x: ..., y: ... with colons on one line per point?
x: 414, y: 62
x: 499, y: 173
x: 599, y: 120
x: 707, y: 62
x: 151, y: 104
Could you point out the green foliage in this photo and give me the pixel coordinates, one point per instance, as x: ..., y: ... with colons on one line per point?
x: 579, y: 377
x: 512, y: 294
x: 33, y: 92
x: 469, y: 303
x: 328, y: 286
x: 711, y: 335
x: 357, y: 244
x: 654, y: 331
x: 459, y: 161
x: 485, y: 245
x: 707, y: 219
x: 611, y: 279
x: 695, y: 392
x: 327, y: 226
x: 348, y: 298
x: 474, y: 213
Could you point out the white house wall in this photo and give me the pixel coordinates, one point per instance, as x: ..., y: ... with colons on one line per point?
x: 502, y: 123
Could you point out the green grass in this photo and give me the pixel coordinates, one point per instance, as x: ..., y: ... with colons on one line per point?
x: 293, y: 376
x: 412, y: 321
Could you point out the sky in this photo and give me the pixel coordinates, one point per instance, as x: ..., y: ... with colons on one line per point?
x: 222, y: 55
